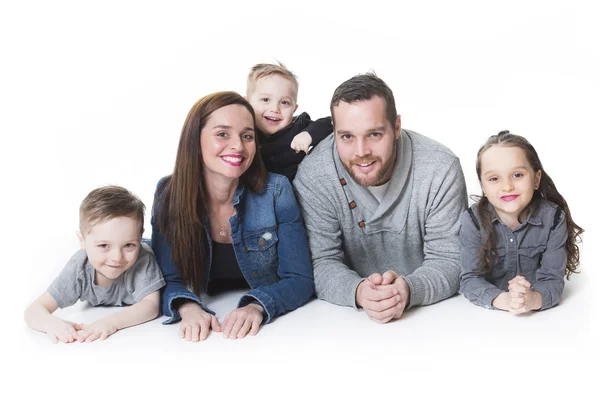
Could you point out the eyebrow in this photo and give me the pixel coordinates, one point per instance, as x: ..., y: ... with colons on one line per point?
x: 269, y: 94
x: 110, y: 242
x: 489, y: 172
x: 229, y: 128
x: 375, y: 129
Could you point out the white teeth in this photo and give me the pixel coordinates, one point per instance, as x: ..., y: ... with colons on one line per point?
x: 232, y: 159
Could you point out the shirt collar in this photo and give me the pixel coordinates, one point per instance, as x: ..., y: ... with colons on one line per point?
x: 533, y: 218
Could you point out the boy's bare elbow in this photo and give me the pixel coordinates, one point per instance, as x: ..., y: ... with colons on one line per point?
x: 153, y: 301
x: 155, y: 311
x: 27, y: 314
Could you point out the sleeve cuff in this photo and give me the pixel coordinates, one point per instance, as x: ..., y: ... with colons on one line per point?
x: 175, y: 316
x: 416, y: 288
x: 488, y: 297
x: 354, y: 304
x: 141, y: 294
x: 264, y: 300
x: 547, y: 302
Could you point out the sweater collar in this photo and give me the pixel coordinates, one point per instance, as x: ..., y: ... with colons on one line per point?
x: 391, y: 212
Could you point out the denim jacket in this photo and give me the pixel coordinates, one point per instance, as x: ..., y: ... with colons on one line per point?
x: 535, y: 250
x: 270, y: 245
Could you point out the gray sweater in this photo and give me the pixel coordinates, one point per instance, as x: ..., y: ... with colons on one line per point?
x: 414, y: 231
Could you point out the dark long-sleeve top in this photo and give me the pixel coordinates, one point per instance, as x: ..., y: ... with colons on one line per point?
x: 275, y: 149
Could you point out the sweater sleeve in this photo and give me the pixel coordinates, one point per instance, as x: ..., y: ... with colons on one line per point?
x: 335, y: 282
x: 437, y: 278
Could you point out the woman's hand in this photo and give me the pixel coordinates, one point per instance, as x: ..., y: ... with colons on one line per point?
x: 243, y: 320
x: 196, y: 323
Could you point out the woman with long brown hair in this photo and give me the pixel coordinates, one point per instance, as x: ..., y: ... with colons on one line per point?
x: 221, y: 222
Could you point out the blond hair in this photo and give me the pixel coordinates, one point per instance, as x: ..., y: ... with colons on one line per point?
x: 109, y: 202
x: 259, y: 71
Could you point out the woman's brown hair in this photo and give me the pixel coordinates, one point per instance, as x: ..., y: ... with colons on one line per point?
x: 180, y: 202
x: 547, y: 190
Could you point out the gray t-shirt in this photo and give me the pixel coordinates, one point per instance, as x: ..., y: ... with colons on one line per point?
x: 76, y: 281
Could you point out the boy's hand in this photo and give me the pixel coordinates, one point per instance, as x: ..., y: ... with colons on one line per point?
x: 301, y: 142
x: 98, y: 329
x: 63, y: 330
x: 243, y: 321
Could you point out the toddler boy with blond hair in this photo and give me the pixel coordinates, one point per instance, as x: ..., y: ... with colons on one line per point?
x: 272, y: 90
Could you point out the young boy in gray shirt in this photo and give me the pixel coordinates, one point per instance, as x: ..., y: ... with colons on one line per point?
x: 112, y: 267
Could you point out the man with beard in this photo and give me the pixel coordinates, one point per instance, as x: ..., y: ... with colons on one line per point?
x: 381, y: 206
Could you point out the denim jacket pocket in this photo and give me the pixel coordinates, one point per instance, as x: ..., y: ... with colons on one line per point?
x: 262, y: 248
x: 529, y: 259
x: 498, y: 266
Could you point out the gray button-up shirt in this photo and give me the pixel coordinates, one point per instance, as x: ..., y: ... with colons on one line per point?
x: 535, y: 250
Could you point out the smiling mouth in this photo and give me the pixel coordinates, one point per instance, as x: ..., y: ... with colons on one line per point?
x: 364, y: 165
x: 509, y: 198
x: 231, y: 160
x: 114, y: 267
x: 271, y: 119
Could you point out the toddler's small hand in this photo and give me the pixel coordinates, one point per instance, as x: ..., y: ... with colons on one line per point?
x: 301, y: 142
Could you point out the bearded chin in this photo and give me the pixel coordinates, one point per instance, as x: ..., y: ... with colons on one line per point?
x: 380, y: 178
x: 365, y: 181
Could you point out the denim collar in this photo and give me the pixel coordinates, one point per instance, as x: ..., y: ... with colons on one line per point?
x: 533, y: 218
x: 240, y: 191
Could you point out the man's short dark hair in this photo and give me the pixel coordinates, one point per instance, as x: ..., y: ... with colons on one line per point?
x: 363, y: 87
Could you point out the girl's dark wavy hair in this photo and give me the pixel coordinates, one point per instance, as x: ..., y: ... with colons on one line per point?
x: 547, y: 190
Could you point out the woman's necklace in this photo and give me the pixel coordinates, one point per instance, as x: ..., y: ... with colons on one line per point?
x: 222, y: 231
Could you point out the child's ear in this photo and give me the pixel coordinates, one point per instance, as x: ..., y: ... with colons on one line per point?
x: 295, y: 108
x: 81, y: 240
x: 538, y: 179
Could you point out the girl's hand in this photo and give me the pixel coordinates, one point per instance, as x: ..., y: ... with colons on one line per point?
x: 100, y: 329
x: 196, y: 323
x: 522, y: 298
x: 63, y: 330
x: 243, y: 320
x: 502, y: 301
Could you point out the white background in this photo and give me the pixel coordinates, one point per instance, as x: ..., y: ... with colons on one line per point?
x: 95, y: 93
